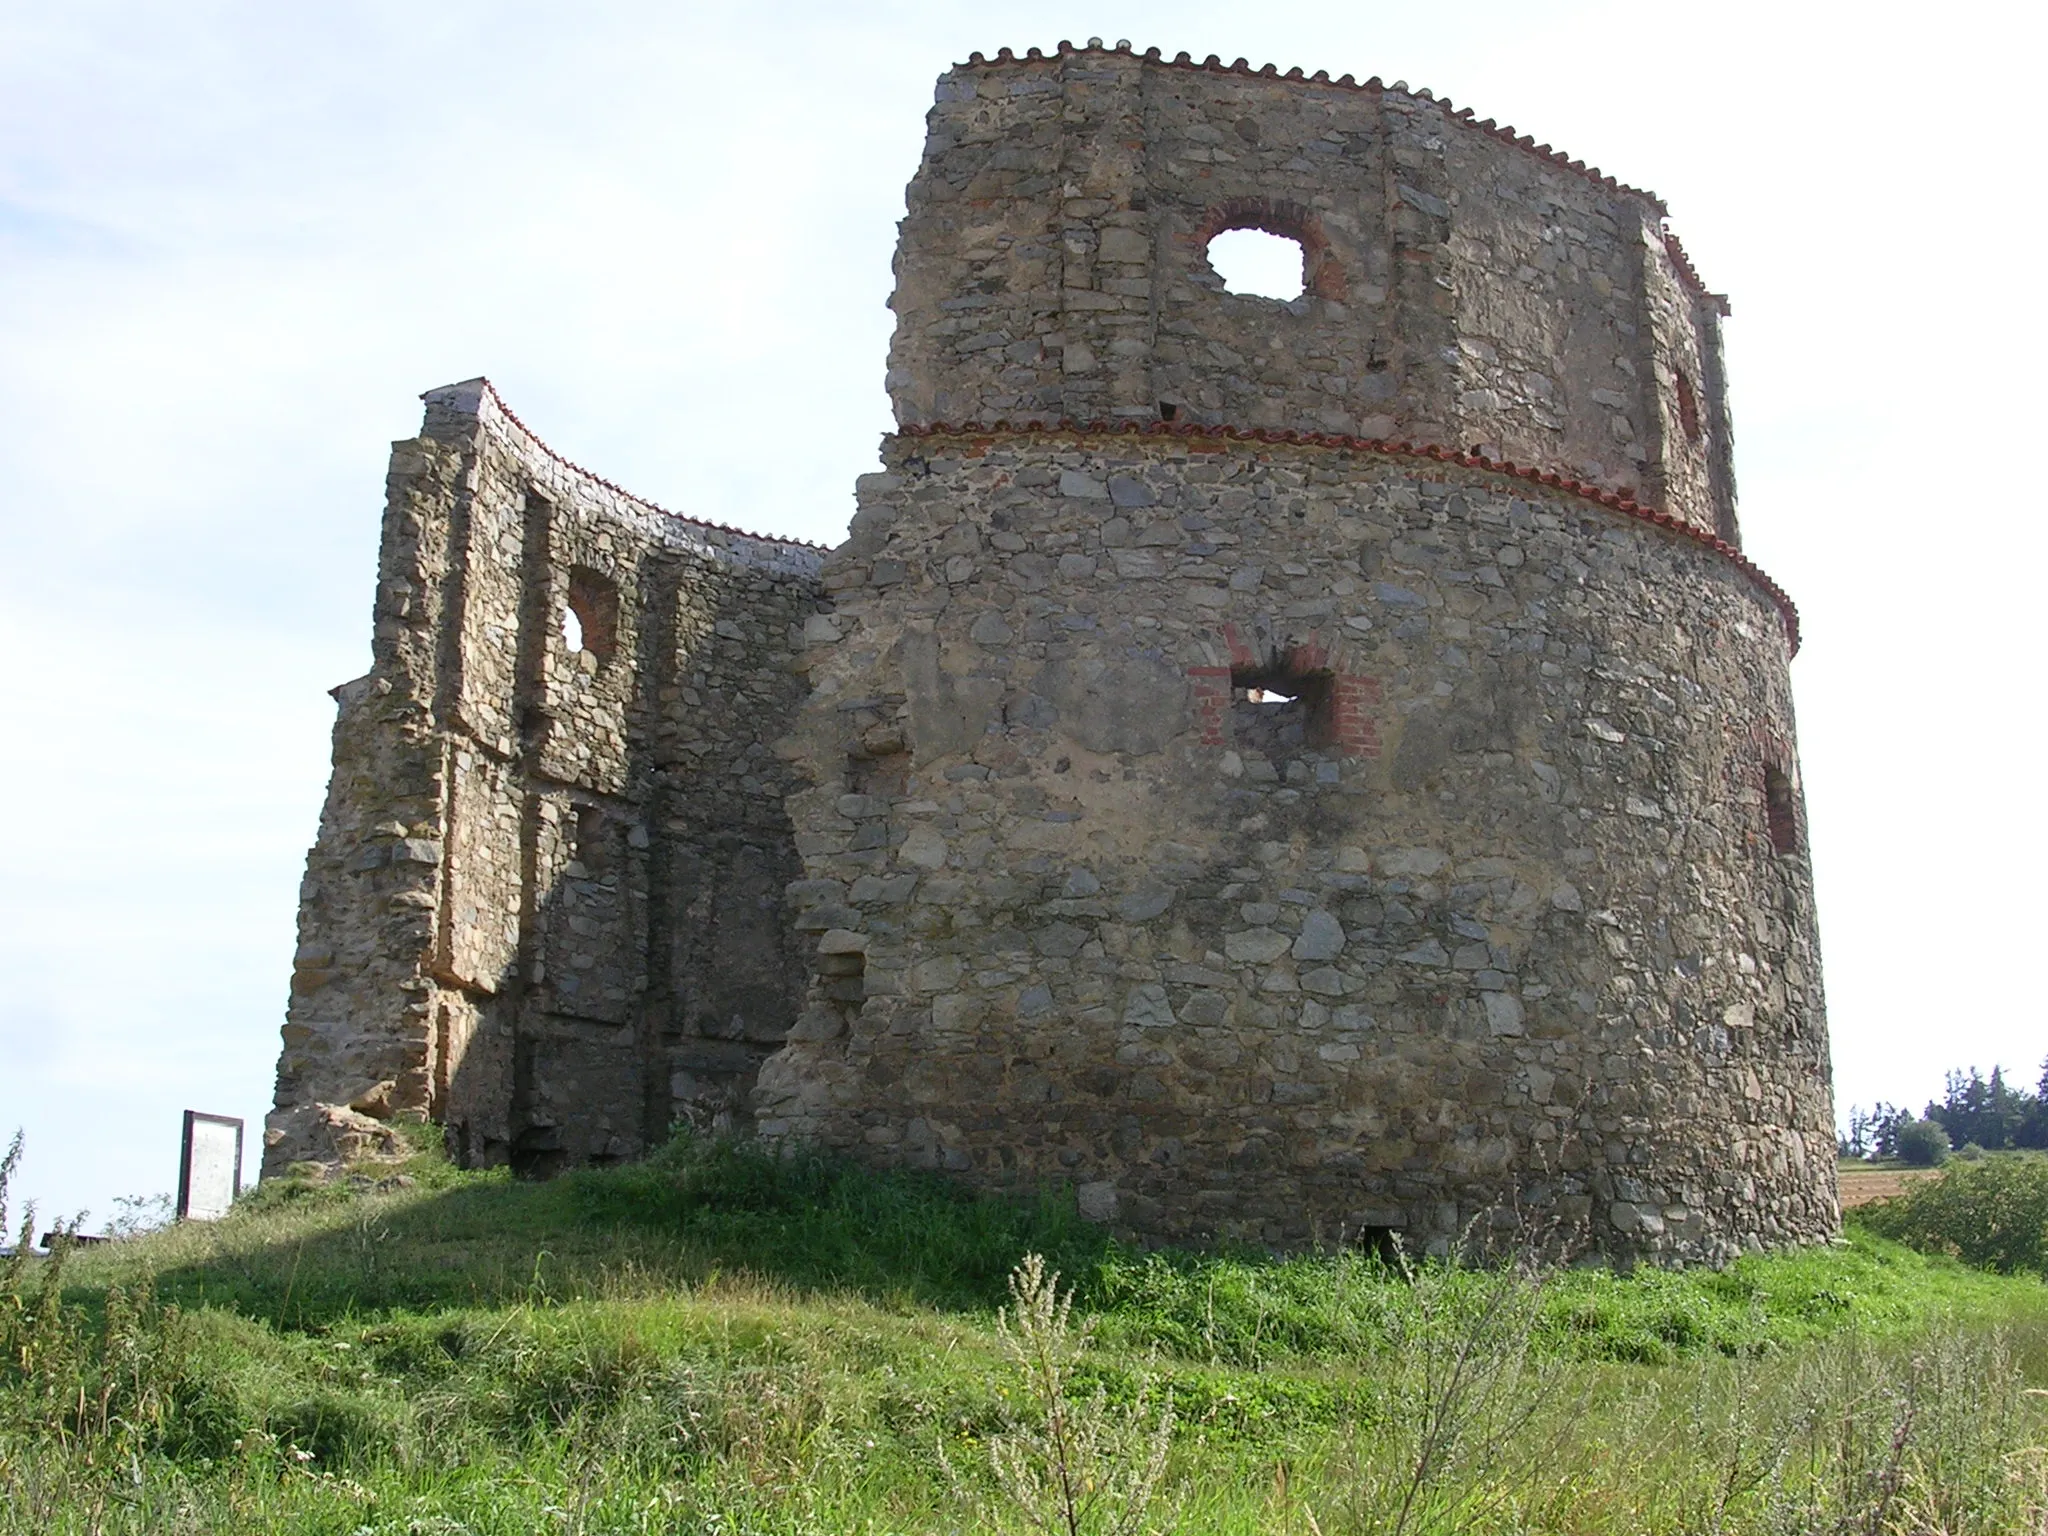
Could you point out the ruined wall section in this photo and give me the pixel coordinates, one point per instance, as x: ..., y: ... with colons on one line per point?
x: 367, y: 902
x: 545, y: 906
x: 1491, y: 919
x: 1554, y: 362
x: 1694, y: 461
x: 979, y: 267
x: 1463, y: 289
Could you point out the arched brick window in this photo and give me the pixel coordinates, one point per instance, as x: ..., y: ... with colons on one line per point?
x: 592, y: 622
x: 1781, y: 809
x: 1689, y: 410
x: 1322, y: 277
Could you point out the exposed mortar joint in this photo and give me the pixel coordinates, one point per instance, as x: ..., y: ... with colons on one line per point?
x: 1788, y: 611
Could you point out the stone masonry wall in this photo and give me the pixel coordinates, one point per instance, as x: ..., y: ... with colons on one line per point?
x: 1490, y: 919
x: 1463, y: 288
x: 545, y: 904
x: 1292, y: 771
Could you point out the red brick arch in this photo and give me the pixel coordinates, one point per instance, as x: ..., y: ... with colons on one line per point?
x: 1322, y: 274
x: 1351, y: 701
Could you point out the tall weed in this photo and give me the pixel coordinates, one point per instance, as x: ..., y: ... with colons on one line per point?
x: 105, y: 1390
x: 1847, y: 1438
x: 1466, y: 1414
x: 1074, y: 1466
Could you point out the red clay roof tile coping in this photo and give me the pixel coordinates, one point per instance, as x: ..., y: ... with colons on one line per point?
x: 1214, y: 65
x: 1690, y: 276
x: 619, y: 490
x: 1626, y: 505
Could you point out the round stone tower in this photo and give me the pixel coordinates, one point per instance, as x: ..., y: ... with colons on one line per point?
x: 1303, y: 770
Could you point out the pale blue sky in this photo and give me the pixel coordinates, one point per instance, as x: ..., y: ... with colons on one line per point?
x: 238, y: 239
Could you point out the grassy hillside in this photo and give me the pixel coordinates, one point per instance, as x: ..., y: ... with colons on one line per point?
x: 718, y: 1342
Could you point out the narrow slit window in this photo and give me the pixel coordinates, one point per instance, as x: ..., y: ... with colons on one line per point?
x: 591, y: 620
x: 1781, y: 809
x: 1688, y: 409
x: 590, y: 841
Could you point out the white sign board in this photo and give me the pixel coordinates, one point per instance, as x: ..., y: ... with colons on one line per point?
x: 210, y: 1167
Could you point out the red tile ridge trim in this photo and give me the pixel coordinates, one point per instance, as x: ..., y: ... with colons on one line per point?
x: 1689, y: 274
x: 1214, y: 65
x: 1628, y: 506
x: 619, y: 490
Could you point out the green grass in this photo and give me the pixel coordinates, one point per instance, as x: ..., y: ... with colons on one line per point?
x: 720, y: 1342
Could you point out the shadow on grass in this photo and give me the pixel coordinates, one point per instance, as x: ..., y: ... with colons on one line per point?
x: 304, y: 1256
x: 736, y: 1219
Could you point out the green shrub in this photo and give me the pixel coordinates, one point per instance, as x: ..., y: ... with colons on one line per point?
x: 1993, y: 1214
x: 1923, y: 1144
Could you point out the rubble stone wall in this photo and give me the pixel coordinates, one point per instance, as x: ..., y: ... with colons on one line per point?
x: 1292, y: 771
x: 1489, y: 920
x: 545, y: 907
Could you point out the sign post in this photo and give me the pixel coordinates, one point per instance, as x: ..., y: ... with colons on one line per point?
x: 209, y: 1166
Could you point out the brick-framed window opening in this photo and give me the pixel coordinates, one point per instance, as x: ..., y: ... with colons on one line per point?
x: 591, y: 622
x: 1289, y: 706
x: 1321, y: 276
x: 1781, y: 809
x: 1689, y: 410
x: 1280, y: 713
x: 1258, y: 263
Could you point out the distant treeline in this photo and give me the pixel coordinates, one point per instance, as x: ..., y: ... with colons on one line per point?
x: 1976, y: 1111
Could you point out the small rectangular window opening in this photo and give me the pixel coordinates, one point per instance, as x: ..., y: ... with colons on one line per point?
x: 591, y: 620
x: 844, y: 978
x: 886, y: 774
x: 590, y: 843
x: 1781, y: 809
x: 1279, y: 711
